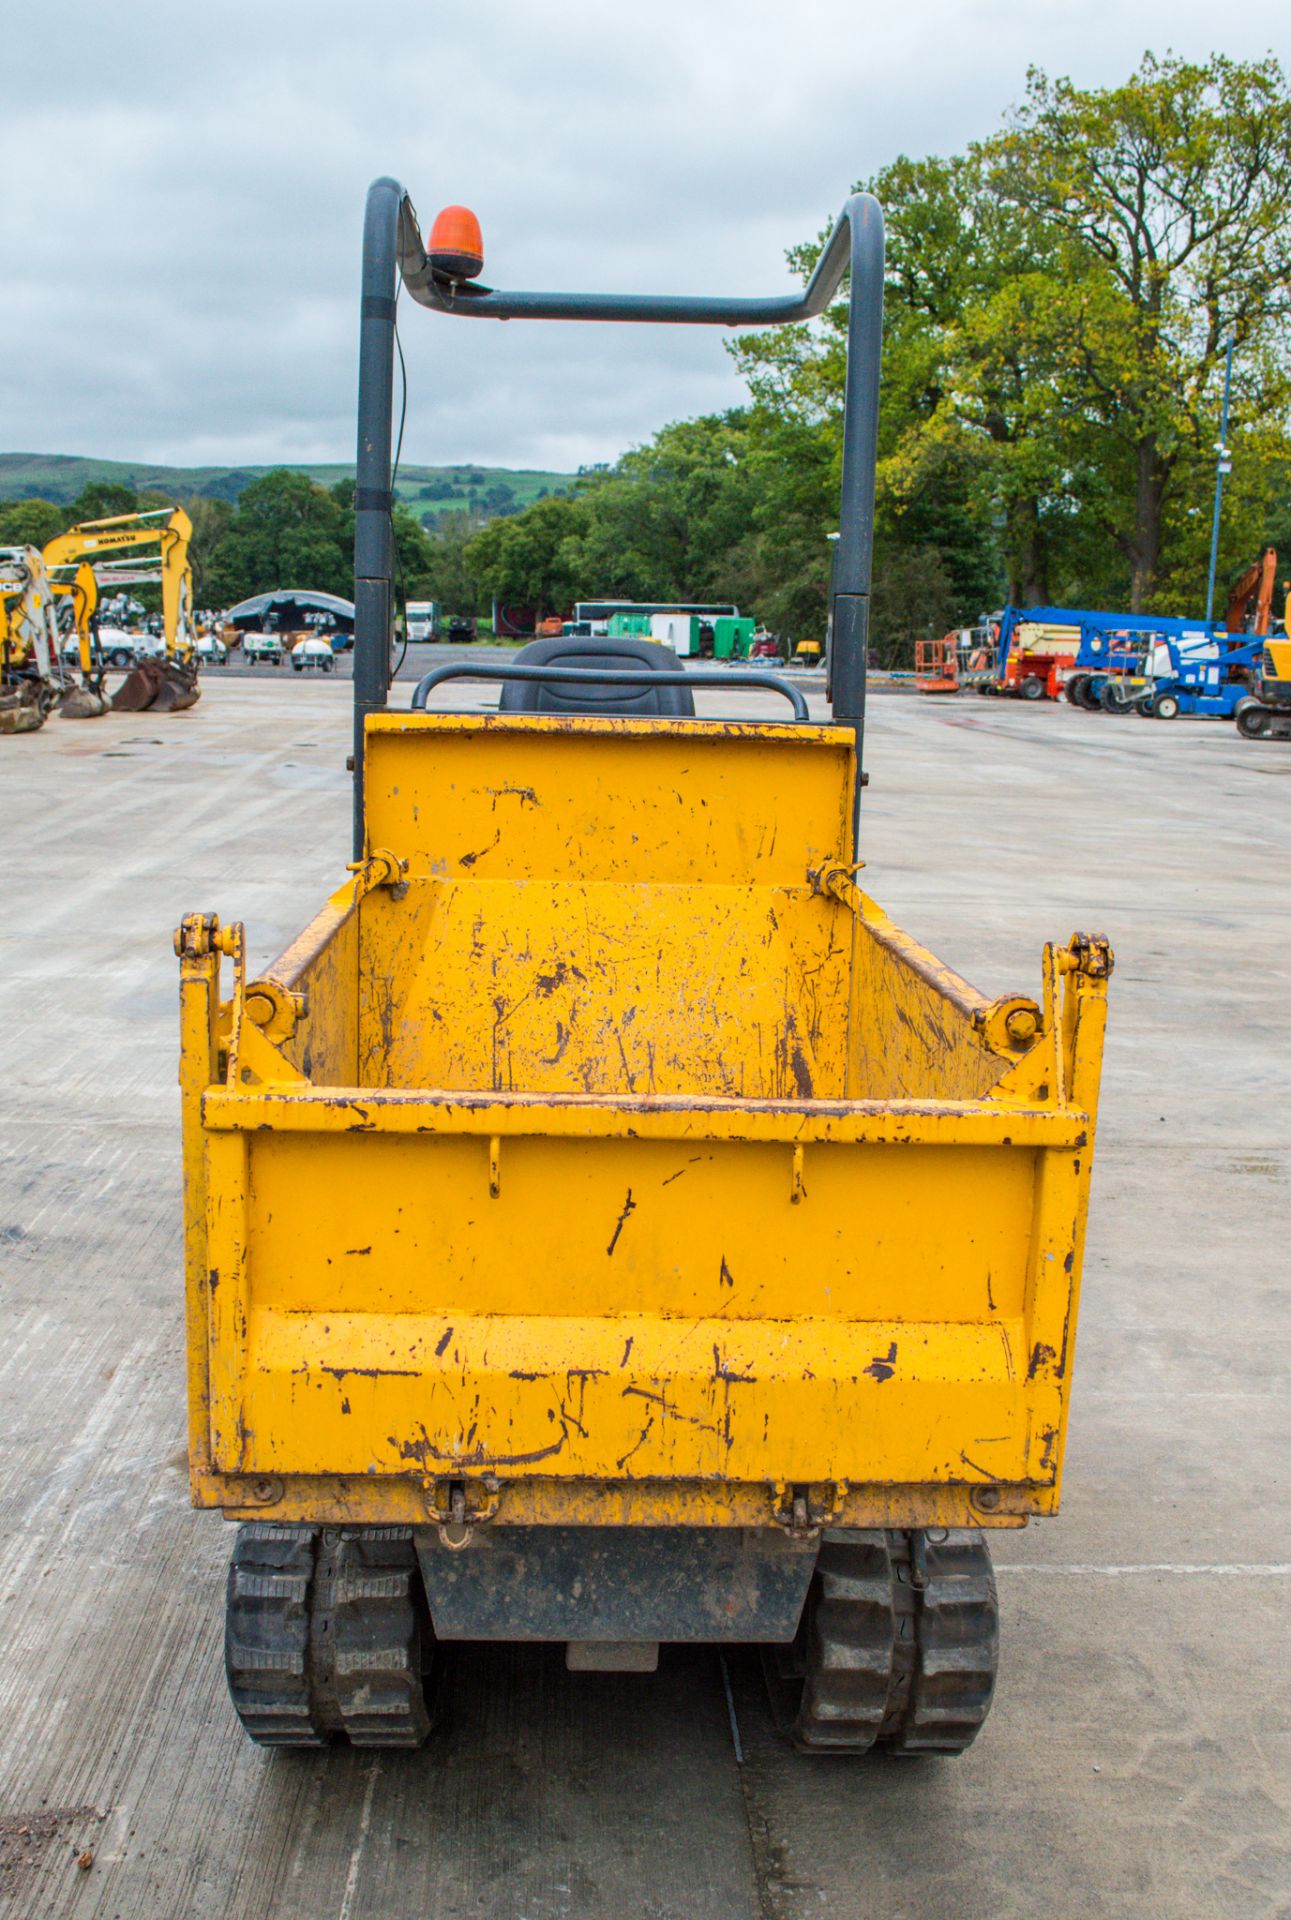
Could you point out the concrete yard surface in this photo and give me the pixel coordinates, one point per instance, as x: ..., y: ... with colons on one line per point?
x: 1138, y: 1757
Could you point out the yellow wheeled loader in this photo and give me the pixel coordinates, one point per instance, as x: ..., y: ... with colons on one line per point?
x: 603, y: 1225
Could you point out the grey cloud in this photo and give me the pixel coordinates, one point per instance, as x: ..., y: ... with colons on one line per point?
x: 181, y: 210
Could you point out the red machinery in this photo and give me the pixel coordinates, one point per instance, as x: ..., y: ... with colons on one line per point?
x: 936, y: 664
x: 964, y: 657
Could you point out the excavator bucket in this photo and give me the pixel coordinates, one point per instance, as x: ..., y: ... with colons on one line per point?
x: 178, y: 689
x: 139, y: 689
x: 22, y: 710
x: 157, y: 686
x: 82, y: 703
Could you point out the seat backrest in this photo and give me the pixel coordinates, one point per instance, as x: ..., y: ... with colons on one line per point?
x: 572, y: 650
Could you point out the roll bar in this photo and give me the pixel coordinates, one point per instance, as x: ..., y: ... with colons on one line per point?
x: 639, y: 678
x: 392, y: 245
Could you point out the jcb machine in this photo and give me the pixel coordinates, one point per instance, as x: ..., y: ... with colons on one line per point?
x: 34, y: 677
x: 603, y: 1225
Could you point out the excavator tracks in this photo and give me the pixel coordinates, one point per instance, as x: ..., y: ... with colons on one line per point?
x: 326, y: 1634
x: 897, y: 1649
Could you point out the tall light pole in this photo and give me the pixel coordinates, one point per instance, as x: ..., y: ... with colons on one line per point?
x: 1223, y: 465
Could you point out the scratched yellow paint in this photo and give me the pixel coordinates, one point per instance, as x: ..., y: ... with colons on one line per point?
x: 627, y: 1395
x: 636, y: 1160
x: 600, y: 988
x: 633, y: 801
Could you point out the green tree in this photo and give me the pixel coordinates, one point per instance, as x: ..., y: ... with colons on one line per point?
x: 449, y: 578
x: 664, y: 522
x: 530, y: 558
x: 1056, y: 304
x: 412, y: 548
x: 102, y: 500
x: 287, y: 531
x: 30, y: 523
x: 1170, y: 200
x: 211, y: 520
x: 936, y: 497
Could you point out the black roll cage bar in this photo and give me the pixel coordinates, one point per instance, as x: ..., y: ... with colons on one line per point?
x: 392, y: 245
x: 642, y: 678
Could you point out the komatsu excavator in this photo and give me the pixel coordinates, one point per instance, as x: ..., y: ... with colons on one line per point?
x: 161, y: 686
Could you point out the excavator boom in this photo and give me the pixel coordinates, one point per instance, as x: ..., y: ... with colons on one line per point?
x: 1253, y: 591
x: 82, y: 588
x: 167, y: 532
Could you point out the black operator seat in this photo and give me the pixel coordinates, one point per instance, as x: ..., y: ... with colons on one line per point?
x: 556, y: 696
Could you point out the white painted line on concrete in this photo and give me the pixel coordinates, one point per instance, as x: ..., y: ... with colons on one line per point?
x: 730, y: 1711
x: 1272, y: 1570
x: 356, y: 1855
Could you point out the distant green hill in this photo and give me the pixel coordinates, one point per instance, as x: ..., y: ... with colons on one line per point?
x: 62, y: 476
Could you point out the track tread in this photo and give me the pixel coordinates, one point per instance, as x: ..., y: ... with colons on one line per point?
x: 324, y: 1635
x: 883, y: 1661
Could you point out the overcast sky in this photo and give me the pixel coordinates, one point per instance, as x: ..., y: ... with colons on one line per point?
x: 183, y: 191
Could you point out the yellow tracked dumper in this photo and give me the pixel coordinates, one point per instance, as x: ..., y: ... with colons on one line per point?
x: 604, y: 1226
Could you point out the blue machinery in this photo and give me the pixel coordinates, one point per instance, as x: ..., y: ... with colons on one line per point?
x: 1150, y: 662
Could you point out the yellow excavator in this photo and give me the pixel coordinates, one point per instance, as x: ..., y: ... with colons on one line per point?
x: 76, y: 596
x: 1265, y: 713
x: 160, y: 686
x: 34, y: 678
x: 29, y: 663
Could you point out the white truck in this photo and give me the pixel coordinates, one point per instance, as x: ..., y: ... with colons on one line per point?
x: 423, y: 620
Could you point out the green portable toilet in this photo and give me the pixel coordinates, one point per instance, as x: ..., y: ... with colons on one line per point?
x: 627, y: 626
x: 732, y: 637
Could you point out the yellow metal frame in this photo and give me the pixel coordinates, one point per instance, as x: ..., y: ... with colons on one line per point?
x: 485, y: 1203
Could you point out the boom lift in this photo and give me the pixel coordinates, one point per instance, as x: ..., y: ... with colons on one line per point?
x: 964, y: 657
x: 1036, y: 648
x: 936, y: 664
x: 602, y: 1224
x: 158, y: 686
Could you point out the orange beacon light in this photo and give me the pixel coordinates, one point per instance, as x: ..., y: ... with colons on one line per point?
x: 456, y: 246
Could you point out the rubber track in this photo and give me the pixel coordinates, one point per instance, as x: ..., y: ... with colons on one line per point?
x: 324, y: 1631
x: 957, y: 1649
x: 891, y: 1664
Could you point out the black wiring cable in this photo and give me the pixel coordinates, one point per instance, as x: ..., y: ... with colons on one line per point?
x: 401, y: 591
x: 403, y: 398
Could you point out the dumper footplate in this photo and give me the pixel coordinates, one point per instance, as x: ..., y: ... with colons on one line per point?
x: 326, y: 1633
x: 897, y: 1648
